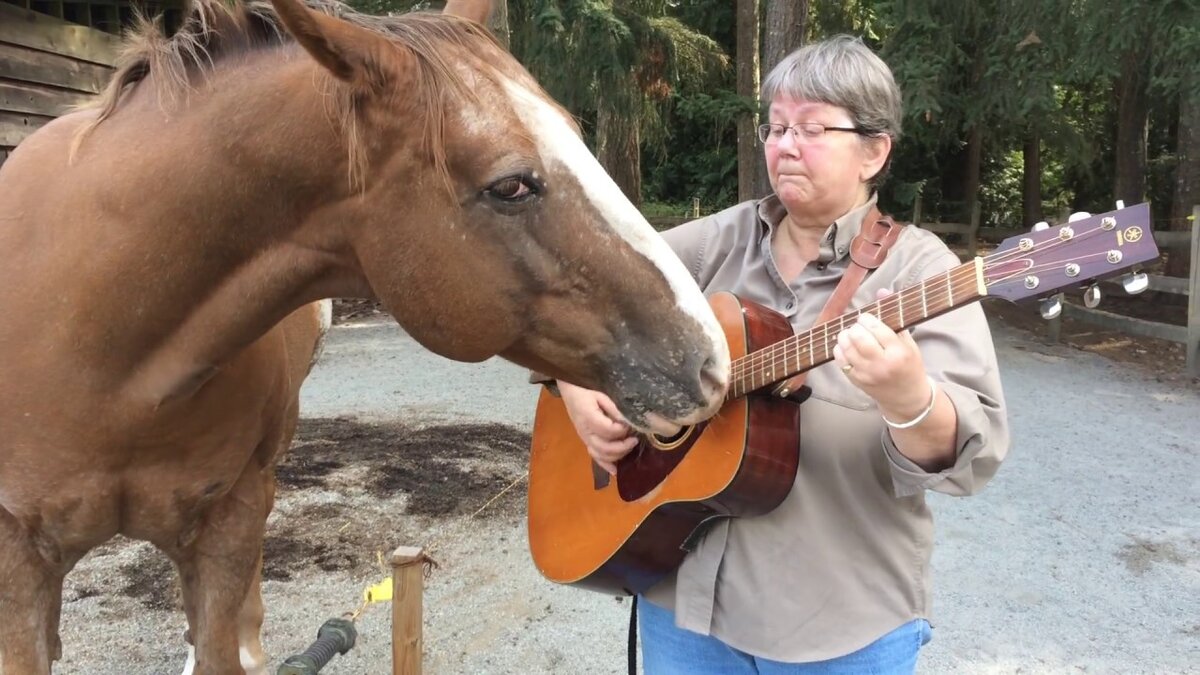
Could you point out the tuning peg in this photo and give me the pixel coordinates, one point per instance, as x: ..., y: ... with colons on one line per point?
x: 1078, y: 215
x: 1041, y: 225
x: 1051, y: 307
x: 1135, y: 283
x: 1091, y: 297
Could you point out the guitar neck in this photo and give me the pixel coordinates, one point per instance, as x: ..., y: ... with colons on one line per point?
x: 932, y: 297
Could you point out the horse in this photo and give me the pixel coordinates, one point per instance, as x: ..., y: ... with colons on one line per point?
x: 166, y: 257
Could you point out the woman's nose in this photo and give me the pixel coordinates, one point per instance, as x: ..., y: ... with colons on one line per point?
x: 789, y: 143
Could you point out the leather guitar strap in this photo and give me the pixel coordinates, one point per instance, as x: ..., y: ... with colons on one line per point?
x: 867, y: 252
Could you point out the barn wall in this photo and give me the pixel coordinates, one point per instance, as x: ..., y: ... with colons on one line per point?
x: 47, y: 66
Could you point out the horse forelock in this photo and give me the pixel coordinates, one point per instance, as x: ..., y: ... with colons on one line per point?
x: 213, y: 31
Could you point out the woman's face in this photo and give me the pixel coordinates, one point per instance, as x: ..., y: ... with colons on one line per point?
x: 822, y: 177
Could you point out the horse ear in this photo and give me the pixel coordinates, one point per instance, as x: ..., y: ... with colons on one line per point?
x: 475, y: 10
x: 347, y: 51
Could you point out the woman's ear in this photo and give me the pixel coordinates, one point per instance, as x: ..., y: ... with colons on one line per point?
x: 876, y: 151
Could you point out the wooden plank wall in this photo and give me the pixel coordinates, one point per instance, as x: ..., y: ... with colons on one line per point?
x: 47, y: 66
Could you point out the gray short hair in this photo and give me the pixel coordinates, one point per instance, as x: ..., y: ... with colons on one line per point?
x: 844, y: 72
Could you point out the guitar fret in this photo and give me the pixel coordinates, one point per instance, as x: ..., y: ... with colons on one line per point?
x: 924, y: 304
x: 900, y: 307
x: 949, y: 289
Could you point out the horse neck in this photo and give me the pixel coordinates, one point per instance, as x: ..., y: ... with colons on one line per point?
x: 241, y: 175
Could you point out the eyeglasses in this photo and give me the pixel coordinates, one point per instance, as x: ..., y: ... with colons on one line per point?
x: 804, y: 132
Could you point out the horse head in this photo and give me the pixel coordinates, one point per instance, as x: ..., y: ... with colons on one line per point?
x: 486, y: 227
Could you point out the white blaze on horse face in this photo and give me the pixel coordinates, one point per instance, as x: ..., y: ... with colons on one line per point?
x: 558, y: 141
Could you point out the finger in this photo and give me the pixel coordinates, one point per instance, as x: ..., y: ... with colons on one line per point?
x: 864, y: 342
x: 608, y: 431
x: 883, y: 334
x: 846, y: 345
x: 882, y: 293
x: 609, y: 408
x: 612, y: 449
x: 839, y: 355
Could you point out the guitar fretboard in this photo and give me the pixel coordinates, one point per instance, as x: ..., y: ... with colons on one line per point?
x: 936, y: 295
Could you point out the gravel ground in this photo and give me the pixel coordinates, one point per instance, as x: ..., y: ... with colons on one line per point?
x: 1082, y: 555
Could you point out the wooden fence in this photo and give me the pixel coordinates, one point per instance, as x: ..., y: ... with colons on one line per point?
x: 1189, y: 335
x: 47, y: 66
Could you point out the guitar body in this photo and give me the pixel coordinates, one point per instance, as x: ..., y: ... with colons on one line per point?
x: 622, y: 535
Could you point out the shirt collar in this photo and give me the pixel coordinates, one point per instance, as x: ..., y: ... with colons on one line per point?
x: 835, y: 243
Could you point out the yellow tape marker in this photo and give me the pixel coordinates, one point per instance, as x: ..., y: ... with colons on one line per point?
x: 380, y: 592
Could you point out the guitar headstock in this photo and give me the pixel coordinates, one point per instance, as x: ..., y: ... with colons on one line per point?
x: 1096, y: 247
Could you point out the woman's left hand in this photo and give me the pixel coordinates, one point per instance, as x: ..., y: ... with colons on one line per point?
x: 885, y: 365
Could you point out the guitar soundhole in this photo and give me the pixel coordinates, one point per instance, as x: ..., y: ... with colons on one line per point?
x: 656, y: 457
x: 671, y: 442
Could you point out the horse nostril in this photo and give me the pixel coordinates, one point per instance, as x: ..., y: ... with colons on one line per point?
x: 713, y: 379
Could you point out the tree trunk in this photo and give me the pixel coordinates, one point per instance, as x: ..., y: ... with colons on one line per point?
x: 617, y: 149
x: 974, y: 167
x: 498, y: 22
x: 1187, y: 178
x: 784, y: 31
x: 1133, y: 112
x: 971, y: 178
x: 1031, y: 195
x: 749, y: 153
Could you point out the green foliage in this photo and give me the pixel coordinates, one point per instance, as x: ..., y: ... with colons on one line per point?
x: 1011, y: 69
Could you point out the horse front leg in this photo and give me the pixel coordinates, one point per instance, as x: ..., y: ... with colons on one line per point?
x: 218, y: 571
x: 30, y: 601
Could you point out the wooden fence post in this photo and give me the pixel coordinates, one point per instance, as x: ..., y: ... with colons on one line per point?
x: 1193, y: 333
x: 916, y: 217
x: 408, y: 587
x: 695, y: 207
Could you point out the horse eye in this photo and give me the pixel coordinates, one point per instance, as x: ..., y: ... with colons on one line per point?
x: 512, y: 189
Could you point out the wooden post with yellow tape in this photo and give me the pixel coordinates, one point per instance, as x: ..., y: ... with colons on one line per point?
x: 408, y: 587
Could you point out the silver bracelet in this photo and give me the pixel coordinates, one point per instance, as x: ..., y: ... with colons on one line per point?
x: 933, y: 391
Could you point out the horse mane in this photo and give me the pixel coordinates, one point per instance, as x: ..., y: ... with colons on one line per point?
x: 215, y: 31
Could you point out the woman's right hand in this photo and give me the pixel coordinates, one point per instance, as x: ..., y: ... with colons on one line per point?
x: 600, y: 426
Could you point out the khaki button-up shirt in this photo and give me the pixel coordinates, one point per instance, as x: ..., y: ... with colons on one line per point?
x: 845, y: 558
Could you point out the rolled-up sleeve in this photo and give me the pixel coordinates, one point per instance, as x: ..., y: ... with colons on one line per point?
x: 959, y: 354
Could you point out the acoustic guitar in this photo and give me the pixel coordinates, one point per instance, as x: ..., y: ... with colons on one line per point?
x: 622, y: 534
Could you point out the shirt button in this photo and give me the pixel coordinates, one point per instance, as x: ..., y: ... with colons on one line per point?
x: 790, y: 304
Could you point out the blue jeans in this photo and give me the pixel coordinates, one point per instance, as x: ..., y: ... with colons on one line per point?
x: 668, y: 650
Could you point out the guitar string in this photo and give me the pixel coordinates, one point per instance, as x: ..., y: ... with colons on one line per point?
x: 793, y: 348
x: 804, y: 346
x: 959, y: 275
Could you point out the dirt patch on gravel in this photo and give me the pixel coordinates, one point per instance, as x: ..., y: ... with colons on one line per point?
x: 443, y: 470
x: 345, y: 486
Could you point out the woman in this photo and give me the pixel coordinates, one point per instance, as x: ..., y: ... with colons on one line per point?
x: 836, y: 579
